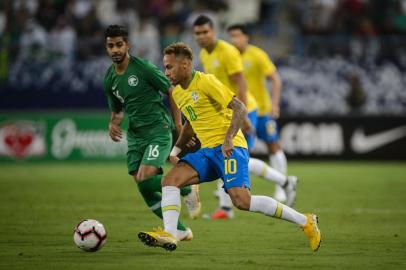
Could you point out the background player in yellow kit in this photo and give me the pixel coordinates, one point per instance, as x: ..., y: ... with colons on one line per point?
x: 215, y: 115
x: 257, y: 69
x: 223, y: 60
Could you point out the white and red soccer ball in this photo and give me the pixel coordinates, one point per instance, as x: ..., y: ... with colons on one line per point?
x: 90, y: 235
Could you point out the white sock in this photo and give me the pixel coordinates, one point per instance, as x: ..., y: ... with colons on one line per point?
x: 278, y: 161
x: 261, y: 169
x: 224, y: 198
x: 271, y: 207
x: 171, y: 208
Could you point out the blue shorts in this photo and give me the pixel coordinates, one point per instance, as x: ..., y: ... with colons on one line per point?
x: 250, y: 138
x: 210, y: 165
x: 267, y: 129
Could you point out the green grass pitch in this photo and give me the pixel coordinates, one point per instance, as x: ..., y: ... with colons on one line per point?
x: 361, y: 206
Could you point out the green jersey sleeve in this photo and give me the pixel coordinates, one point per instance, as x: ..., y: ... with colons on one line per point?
x: 114, y: 103
x: 156, y: 78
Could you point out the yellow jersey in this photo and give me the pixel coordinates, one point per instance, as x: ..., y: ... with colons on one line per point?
x: 204, y: 103
x: 257, y: 66
x: 222, y: 62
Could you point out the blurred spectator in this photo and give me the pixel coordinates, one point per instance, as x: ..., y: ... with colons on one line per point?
x: 29, y: 5
x: 121, y: 12
x: 356, y: 94
x: 90, y: 36
x: 49, y: 10
x: 318, y: 15
x: 62, y: 39
x: 144, y: 40
x: 80, y: 8
x: 33, y: 41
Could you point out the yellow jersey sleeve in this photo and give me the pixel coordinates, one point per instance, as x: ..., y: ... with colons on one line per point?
x: 266, y: 65
x: 232, y: 60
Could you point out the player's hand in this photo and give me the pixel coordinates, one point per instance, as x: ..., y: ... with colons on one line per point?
x: 247, y: 127
x: 191, y: 142
x: 173, y: 160
x: 275, y: 111
x: 115, y: 132
x: 227, y: 148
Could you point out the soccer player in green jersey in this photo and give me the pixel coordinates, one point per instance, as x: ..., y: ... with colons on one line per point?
x: 133, y: 85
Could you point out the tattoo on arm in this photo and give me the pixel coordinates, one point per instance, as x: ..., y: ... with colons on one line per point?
x: 239, y: 114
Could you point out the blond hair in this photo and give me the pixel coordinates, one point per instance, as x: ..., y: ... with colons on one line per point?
x: 179, y: 49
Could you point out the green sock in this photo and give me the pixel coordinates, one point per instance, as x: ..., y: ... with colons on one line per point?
x: 185, y: 191
x: 150, y: 190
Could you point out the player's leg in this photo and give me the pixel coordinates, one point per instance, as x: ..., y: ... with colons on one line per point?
x: 237, y: 183
x: 225, y: 210
x: 287, y: 183
x: 190, y: 170
x: 267, y: 131
x: 243, y: 200
x: 145, y: 163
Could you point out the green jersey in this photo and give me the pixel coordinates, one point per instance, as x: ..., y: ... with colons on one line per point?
x: 137, y: 92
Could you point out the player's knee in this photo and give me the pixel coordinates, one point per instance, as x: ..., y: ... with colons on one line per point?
x: 274, y: 147
x: 242, y: 202
x: 170, y: 180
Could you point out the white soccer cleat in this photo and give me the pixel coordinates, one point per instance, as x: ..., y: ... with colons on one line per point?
x: 290, y: 190
x: 280, y: 194
x: 192, y: 202
x: 185, y: 235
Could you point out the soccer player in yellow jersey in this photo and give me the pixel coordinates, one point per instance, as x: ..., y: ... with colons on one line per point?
x: 224, y: 61
x: 215, y: 115
x: 257, y: 69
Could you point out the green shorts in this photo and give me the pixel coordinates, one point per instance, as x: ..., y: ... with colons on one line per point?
x: 152, y: 148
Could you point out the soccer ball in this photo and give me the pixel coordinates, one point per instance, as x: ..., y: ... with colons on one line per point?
x: 89, y: 235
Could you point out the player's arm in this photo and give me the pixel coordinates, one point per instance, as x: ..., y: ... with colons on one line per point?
x: 176, y: 114
x: 116, y: 108
x: 115, y: 132
x: 240, y: 82
x: 276, y: 92
x: 186, y: 134
x: 239, y: 114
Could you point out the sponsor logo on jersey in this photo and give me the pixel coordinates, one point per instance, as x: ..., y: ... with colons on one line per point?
x: 19, y: 139
x: 132, y: 80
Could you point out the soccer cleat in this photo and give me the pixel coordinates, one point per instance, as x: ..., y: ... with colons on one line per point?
x: 192, y: 202
x: 290, y: 190
x: 220, y: 214
x: 279, y: 194
x: 159, y: 238
x: 185, y: 235
x: 312, y: 231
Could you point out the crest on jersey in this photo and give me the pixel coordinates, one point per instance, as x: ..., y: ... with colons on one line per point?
x: 194, y: 96
x: 132, y: 80
x: 216, y: 63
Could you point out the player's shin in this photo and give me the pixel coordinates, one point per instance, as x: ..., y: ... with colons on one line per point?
x: 171, y: 206
x: 150, y: 190
x: 271, y: 207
